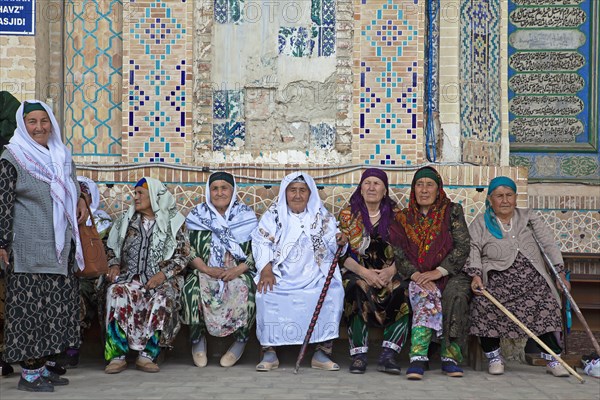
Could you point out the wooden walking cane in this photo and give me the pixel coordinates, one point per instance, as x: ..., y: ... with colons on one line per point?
x: 529, y: 333
x: 566, y: 292
x: 313, y: 321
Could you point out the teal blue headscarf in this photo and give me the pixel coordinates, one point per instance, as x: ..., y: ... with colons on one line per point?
x: 490, y: 218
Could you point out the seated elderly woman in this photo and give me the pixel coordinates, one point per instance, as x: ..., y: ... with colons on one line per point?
x: 433, y: 245
x: 374, y: 291
x: 148, y: 248
x: 293, y: 247
x: 218, y: 296
x: 507, y: 262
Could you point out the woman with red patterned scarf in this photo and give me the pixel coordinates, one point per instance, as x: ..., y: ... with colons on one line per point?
x: 433, y: 245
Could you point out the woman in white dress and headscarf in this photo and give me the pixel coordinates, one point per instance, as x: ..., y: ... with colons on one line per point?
x: 294, y: 246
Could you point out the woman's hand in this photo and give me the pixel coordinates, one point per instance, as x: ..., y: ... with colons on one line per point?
x: 232, y: 273
x: 4, y: 257
x: 477, y: 285
x: 158, y: 279
x: 113, y: 273
x: 341, y: 239
x: 373, y: 278
x: 387, y: 274
x: 421, y: 278
x: 267, y: 279
x: 82, y: 211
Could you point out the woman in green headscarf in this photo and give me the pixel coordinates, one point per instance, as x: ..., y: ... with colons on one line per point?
x: 148, y: 249
x: 506, y: 260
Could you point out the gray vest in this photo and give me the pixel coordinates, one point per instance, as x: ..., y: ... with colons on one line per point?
x: 33, y: 244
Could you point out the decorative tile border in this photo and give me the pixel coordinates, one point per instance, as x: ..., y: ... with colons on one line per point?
x: 480, y: 94
x: 93, y: 77
x: 388, y: 63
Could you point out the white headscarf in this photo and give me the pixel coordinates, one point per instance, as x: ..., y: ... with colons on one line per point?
x: 101, y: 218
x: 52, y: 165
x: 167, y: 218
x: 228, y: 231
x: 274, y: 228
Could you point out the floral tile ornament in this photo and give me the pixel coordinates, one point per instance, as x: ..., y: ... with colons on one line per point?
x: 228, y: 11
x: 228, y: 134
x: 297, y: 41
x: 228, y: 104
x: 322, y: 136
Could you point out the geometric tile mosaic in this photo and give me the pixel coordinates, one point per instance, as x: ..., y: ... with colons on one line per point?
x: 390, y: 107
x: 157, y: 85
x: 93, y: 77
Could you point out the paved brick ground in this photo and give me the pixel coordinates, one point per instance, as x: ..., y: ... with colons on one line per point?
x: 179, y: 379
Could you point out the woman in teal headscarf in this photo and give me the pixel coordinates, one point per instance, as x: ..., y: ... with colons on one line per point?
x: 507, y: 262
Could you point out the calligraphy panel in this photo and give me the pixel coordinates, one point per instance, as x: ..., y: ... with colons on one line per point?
x: 553, y: 87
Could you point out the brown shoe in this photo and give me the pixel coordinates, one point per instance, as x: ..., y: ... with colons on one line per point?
x: 145, y: 364
x: 115, y: 366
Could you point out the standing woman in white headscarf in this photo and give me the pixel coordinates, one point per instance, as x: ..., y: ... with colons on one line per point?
x: 218, y: 297
x: 294, y: 246
x: 40, y: 207
x: 148, y: 250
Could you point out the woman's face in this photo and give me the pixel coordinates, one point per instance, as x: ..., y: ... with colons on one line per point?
x: 142, y: 201
x: 221, y: 193
x: 426, y: 192
x: 39, y: 126
x: 503, y: 201
x: 297, y: 195
x: 372, y: 190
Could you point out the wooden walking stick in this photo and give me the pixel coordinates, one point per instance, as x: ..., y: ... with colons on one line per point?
x: 529, y: 333
x: 566, y: 292
x: 313, y: 321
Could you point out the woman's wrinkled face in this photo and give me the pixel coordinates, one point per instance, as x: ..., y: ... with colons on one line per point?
x: 39, y: 126
x: 372, y: 190
x: 426, y: 192
x: 297, y: 195
x: 142, y: 201
x: 503, y: 201
x: 221, y: 193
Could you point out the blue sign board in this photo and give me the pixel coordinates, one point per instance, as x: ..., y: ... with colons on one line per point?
x: 17, y: 17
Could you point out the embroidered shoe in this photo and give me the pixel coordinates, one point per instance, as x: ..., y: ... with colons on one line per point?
x: 555, y: 368
x: 359, y: 363
x: 592, y: 367
x: 55, y: 367
x: 38, y: 385
x: 496, y: 366
x: 451, y: 369
x: 416, y: 370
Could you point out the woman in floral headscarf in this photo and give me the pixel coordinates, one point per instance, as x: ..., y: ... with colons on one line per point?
x: 148, y: 249
x: 433, y: 245
x: 374, y: 291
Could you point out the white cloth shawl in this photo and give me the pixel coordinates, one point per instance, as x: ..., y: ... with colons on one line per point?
x: 52, y: 165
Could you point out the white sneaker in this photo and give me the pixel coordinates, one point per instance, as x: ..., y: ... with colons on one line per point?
x: 592, y: 367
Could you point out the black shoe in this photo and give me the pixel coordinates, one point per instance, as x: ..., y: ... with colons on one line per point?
x: 71, y: 360
x: 389, y: 366
x: 359, y: 364
x: 5, y: 368
x: 55, y: 367
x: 39, y: 385
x: 55, y: 379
